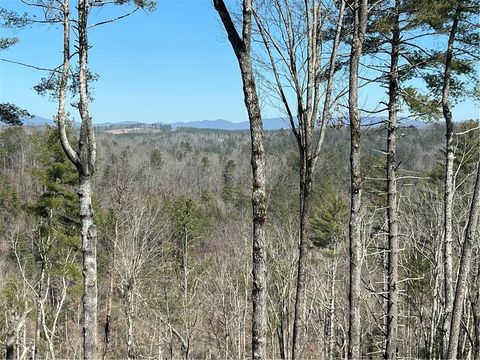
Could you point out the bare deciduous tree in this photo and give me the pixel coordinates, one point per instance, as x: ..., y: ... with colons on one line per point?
x: 292, y: 35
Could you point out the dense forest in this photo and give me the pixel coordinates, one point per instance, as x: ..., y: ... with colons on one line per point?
x: 172, y: 213
x: 339, y: 237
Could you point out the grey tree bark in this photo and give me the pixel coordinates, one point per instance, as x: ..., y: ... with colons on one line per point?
x: 38, y: 319
x: 130, y: 314
x: 355, y: 240
x: 449, y: 185
x: 111, y: 274
x: 84, y: 161
x: 464, y: 270
x: 476, y: 319
x: 242, y: 49
x: 393, y: 92
x: 331, y: 310
x: 87, y: 154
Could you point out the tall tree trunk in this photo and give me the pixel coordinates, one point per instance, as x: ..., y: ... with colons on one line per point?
x: 449, y: 186
x: 111, y: 284
x: 305, y: 194
x: 331, y: 311
x: 129, y: 311
x: 464, y: 270
x: 259, y: 321
x: 327, y: 103
x: 84, y: 161
x: 87, y: 152
x: 38, y: 320
x: 393, y: 89
x: 185, y: 301
x: 476, y: 318
x: 310, y: 152
x: 281, y: 338
x: 89, y: 238
x: 242, y: 48
x: 62, y: 92
x: 355, y: 241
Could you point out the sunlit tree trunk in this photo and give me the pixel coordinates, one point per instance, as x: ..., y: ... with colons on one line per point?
x: 242, y: 49
x: 476, y: 318
x: 84, y: 161
x: 355, y: 240
x: 393, y: 92
x: 449, y: 186
x: 464, y: 270
x: 111, y: 274
x: 38, y: 319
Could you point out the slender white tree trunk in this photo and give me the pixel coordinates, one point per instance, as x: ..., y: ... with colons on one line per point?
x: 89, y: 248
x: 449, y: 186
x: 129, y: 297
x: 464, y: 270
x: 84, y: 161
x: 38, y: 320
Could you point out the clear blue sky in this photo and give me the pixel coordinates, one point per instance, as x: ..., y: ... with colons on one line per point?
x: 174, y: 64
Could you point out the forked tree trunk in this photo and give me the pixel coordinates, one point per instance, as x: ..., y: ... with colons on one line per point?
x: 242, y: 49
x: 306, y: 88
x: 84, y: 161
x: 355, y: 241
x: 393, y: 90
x: 449, y: 186
x: 87, y: 152
x: 464, y: 270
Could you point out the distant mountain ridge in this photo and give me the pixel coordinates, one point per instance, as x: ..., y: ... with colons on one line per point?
x: 37, y: 121
x: 219, y: 124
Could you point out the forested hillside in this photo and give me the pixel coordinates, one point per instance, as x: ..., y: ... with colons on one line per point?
x: 172, y: 213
